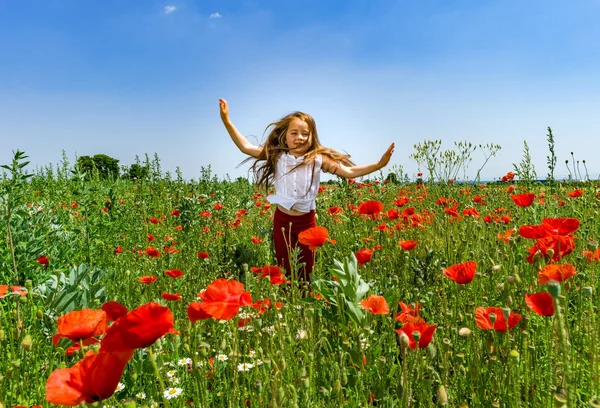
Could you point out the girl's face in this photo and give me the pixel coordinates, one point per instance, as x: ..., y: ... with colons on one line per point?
x: 298, y: 137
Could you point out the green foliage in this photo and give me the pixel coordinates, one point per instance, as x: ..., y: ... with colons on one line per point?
x: 525, y: 170
x: 551, y: 159
x: 137, y: 172
x: 102, y: 165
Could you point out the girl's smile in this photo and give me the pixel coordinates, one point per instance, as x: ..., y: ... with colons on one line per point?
x: 298, y: 137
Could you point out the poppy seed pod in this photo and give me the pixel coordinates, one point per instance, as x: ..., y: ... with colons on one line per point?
x: 506, y: 312
x: 442, y: 395
x: 553, y: 288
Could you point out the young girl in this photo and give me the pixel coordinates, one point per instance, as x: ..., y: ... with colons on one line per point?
x: 292, y: 159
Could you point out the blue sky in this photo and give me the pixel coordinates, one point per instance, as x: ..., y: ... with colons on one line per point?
x: 126, y: 78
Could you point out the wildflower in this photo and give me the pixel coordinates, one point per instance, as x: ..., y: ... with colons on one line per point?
x: 80, y: 325
x: 461, y: 273
x: 120, y: 387
x: 186, y: 361
x: 175, y: 213
x: 150, y: 237
x: 257, y: 240
x: 275, y: 274
x: 335, y: 210
x: 221, y: 300
x: 140, y: 395
x: 171, y: 296
x: 314, y: 237
x: 245, y: 366
x: 483, y: 318
x: 174, y: 273
x: 154, y: 220
x: 523, y: 200
x: 541, y: 303
x: 375, y: 304
x: 370, y: 208
x: 42, y: 260
x: 408, y: 245
x: 424, y: 330
x: 152, y: 252
x: 203, y: 255
x: 401, y: 201
x: 553, y: 246
x: 118, y: 250
x: 556, y: 272
x: 171, y: 373
x: 301, y: 335
x: 409, y: 314
x: 575, y: 193
x: 363, y: 255
x: 222, y: 357
x: 147, y: 279
x: 172, y: 393
x: 140, y: 328
x: 114, y: 310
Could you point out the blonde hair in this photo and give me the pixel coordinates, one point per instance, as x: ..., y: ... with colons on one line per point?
x: 275, y: 146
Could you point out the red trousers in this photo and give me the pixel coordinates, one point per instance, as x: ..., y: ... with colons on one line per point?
x: 285, y: 238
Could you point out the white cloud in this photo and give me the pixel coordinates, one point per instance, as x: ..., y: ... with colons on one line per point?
x: 215, y: 15
x: 170, y: 9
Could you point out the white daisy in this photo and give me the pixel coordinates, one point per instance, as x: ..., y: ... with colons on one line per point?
x: 252, y: 353
x: 245, y: 366
x: 120, y: 387
x: 185, y: 361
x: 172, y: 393
x: 222, y: 357
x: 171, y: 373
x: 301, y: 335
x: 140, y: 395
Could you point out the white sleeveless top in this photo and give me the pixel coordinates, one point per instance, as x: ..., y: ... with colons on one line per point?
x: 293, y: 188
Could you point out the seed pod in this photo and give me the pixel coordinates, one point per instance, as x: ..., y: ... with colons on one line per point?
x: 442, y: 395
x: 554, y: 288
x: 464, y: 332
x: 304, y: 382
x: 27, y: 342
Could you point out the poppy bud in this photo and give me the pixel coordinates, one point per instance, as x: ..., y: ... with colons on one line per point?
x: 2, y: 336
x: 587, y: 291
x: 554, y: 288
x: 446, y: 344
x: 337, y: 387
x: 464, y: 332
x: 304, y: 382
x: 39, y: 314
x: 592, y: 245
x: 258, y: 385
x: 16, y: 363
x: 510, y: 279
x: 28, y: 284
x: 404, y: 341
x: 27, y: 343
x: 280, y: 394
x: 324, y: 391
x: 514, y: 355
x: 509, y: 301
x: 128, y: 403
x: 223, y: 344
x: 442, y: 395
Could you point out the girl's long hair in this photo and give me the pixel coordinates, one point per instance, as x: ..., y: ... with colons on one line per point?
x: 276, y: 145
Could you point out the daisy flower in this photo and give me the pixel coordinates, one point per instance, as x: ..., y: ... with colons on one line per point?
x: 172, y: 393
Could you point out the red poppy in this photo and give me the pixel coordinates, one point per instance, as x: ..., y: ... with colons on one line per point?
x: 484, y: 322
x: 80, y: 325
x: 114, y: 310
x: 218, y: 206
x: 556, y: 272
x: 154, y: 220
x: 42, y: 260
x: 425, y: 333
x: 147, y: 279
x: 175, y: 213
x: 523, y: 200
x: 575, y: 193
x: 314, y: 237
x: 592, y: 256
x: 409, y: 314
x: 461, y: 273
x: 174, y: 273
x: 335, y: 210
x: 94, y: 378
x: 363, y: 255
x: 118, y: 250
x: 561, y: 225
x: 532, y: 231
x: 152, y: 252
x: 18, y: 289
x: 506, y: 236
x: 257, y: 240
x: 471, y: 212
x: 221, y: 300
x: 140, y: 328
x: 401, y: 201
x: 150, y: 237
x: 205, y: 214
x: 553, y: 246
x: 541, y: 303
x: 392, y: 214
x: 370, y: 208
x: 375, y: 304
x: 451, y: 211
x: 203, y: 255
x: 170, y: 296
x: 275, y: 274
x: 408, y: 245
x: 509, y: 176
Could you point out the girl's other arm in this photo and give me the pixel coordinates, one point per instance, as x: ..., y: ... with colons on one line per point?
x: 240, y: 141
x: 333, y: 167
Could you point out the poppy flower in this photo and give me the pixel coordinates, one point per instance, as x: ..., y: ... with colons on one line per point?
x: 140, y: 328
x: 314, y: 237
x: 218, y: 206
x: 257, y: 240
x: 150, y: 237
x: 18, y: 289
x: 118, y: 250
x: 114, y: 310
x: 592, y: 256
x: 275, y: 274
x: 575, y: 193
x: 175, y: 213
x: 532, y: 231
x: 508, y: 177
x: 451, y: 211
x: 556, y: 272
x: 409, y: 314
x: 94, y: 378
x: 205, y: 214
x: 424, y: 329
x: 408, y: 245
x: 523, y: 200
x: 335, y: 210
x: 147, y: 279
x: 42, y: 260
x: 375, y: 304
x: 560, y: 226
x: 553, y: 246
x: 152, y: 252
x: 484, y: 322
x: 170, y: 296
x: 471, y: 212
x: 370, y: 208
x: 363, y: 255
x: 461, y: 273
x: 80, y: 325
x: 154, y: 220
x: 401, y: 201
x: 174, y: 273
x: 221, y: 300
x: 506, y: 236
x: 541, y: 303
x: 392, y: 214
x: 203, y: 255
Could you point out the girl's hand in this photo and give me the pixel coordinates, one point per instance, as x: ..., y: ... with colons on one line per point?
x: 224, y: 108
x: 385, y: 159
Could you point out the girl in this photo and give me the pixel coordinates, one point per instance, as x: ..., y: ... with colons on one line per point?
x: 292, y: 159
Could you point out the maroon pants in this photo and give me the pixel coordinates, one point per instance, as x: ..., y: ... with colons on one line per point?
x: 285, y: 238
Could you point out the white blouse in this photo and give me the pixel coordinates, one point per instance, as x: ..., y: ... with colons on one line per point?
x: 293, y: 188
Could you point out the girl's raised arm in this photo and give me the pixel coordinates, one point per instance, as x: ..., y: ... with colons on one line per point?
x: 240, y: 141
x: 333, y: 167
